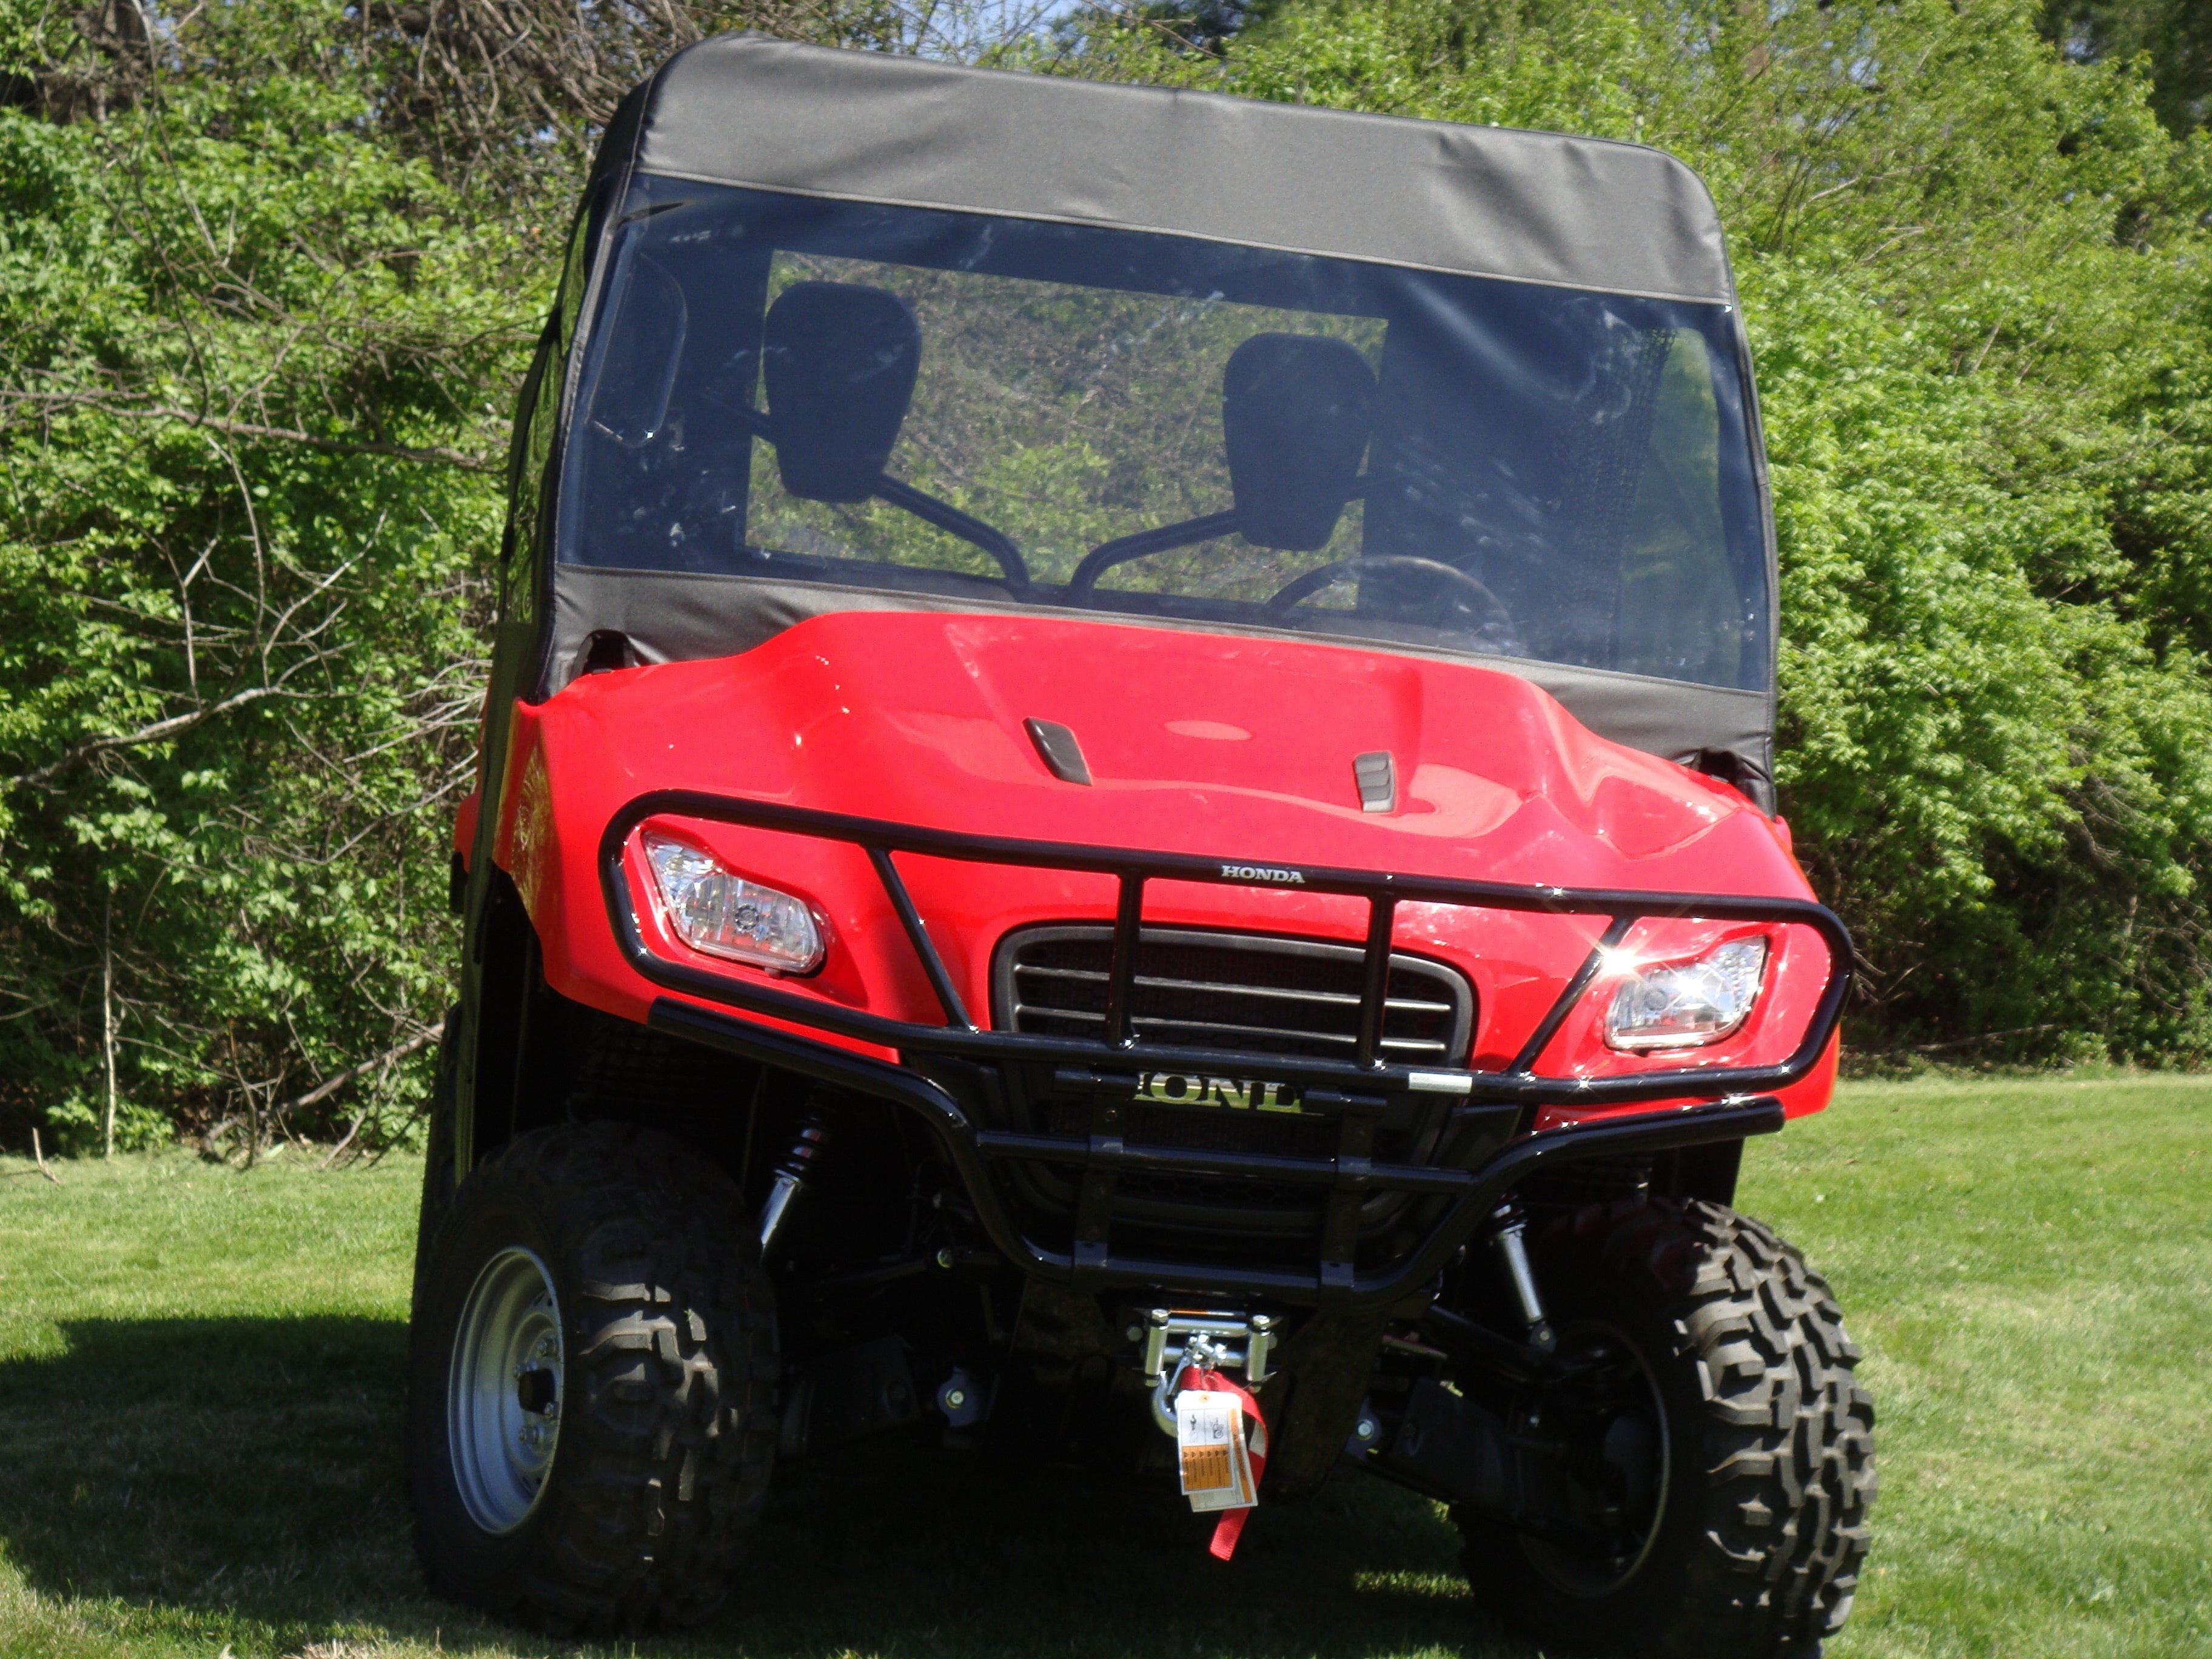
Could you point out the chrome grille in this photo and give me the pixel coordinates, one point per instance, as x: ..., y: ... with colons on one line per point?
x: 1235, y: 990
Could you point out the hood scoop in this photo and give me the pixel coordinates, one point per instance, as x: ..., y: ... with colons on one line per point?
x: 1057, y: 748
x: 1377, y: 775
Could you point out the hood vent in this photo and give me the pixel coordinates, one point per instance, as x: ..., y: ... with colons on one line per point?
x: 1057, y: 748
x: 1253, y: 992
x: 1377, y: 775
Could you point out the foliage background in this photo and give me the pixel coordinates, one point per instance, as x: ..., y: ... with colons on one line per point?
x: 268, y: 272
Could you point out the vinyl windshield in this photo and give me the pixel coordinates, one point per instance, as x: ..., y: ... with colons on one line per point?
x: 1397, y: 456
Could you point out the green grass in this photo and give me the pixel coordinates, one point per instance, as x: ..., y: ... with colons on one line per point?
x: 200, y: 1391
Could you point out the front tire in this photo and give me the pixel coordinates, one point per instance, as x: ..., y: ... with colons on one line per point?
x: 1722, y: 1445
x: 591, y: 1392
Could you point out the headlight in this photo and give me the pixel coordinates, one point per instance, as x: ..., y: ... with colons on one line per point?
x: 713, y: 910
x: 1690, y: 1004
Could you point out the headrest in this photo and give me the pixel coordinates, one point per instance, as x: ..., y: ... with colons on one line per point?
x: 1296, y: 410
x: 840, y: 360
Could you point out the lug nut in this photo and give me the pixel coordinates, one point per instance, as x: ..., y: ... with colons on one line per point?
x: 944, y: 1257
x: 955, y: 1399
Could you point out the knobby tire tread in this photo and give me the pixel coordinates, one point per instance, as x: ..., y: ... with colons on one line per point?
x: 668, y: 1421
x: 1774, y: 1503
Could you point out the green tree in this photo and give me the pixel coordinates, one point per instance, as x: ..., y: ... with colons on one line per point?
x: 250, y: 351
x: 2174, y: 38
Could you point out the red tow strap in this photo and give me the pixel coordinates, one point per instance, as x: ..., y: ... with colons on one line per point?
x: 1230, y: 1527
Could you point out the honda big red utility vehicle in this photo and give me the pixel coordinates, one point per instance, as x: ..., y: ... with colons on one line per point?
x: 1127, y: 801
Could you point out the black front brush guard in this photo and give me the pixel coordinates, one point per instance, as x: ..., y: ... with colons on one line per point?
x: 1727, y: 1102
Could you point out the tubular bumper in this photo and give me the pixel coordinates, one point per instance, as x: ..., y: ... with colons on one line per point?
x: 1728, y: 1102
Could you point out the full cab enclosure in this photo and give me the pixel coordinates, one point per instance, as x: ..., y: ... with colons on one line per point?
x: 1129, y: 760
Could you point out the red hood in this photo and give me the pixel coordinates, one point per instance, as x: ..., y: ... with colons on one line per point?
x: 1198, y: 744
x: 1236, y: 749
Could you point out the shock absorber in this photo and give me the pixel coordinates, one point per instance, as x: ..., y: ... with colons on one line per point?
x: 1508, y: 1226
x: 791, y: 1173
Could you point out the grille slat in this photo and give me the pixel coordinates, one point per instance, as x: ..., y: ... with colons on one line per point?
x: 1340, y: 998
x: 1235, y: 991
x: 1210, y: 1031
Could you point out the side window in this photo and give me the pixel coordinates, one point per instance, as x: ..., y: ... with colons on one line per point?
x: 537, y: 416
x: 526, y: 453
x: 1680, y: 614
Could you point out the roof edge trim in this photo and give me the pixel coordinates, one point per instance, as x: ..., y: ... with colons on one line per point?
x: 1187, y: 235
x: 1600, y: 215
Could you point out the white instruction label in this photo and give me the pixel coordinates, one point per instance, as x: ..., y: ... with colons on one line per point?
x: 1217, y: 1470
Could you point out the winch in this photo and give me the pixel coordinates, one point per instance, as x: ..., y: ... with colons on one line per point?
x: 1210, y: 1339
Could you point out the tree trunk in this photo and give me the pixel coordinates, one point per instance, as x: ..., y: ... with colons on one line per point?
x: 108, y: 1014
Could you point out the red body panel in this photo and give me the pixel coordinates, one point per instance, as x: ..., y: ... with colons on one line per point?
x: 1236, y: 748
x: 464, y: 824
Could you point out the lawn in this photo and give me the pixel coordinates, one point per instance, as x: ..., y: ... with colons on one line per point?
x: 199, y: 1402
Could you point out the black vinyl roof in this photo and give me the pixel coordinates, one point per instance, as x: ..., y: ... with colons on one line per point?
x: 1535, y: 207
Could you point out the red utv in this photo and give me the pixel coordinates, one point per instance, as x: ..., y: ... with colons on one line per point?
x: 1128, y: 772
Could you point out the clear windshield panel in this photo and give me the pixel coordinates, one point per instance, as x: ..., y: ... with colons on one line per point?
x: 1140, y: 425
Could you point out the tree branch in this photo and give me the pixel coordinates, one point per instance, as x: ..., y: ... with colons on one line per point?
x: 331, y: 1085
x: 1986, y: 1036
x: 154, y: 733
x: 434, y: 455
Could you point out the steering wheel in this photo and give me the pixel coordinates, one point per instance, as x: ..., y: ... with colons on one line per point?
x: 1293, y: 594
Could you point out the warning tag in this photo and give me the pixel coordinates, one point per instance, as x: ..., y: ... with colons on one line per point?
x: 1217, y: 1470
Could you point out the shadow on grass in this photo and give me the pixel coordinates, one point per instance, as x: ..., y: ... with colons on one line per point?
x: 247, y: 1472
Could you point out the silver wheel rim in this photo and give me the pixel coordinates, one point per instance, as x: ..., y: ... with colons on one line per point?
x: 503, y: 1392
